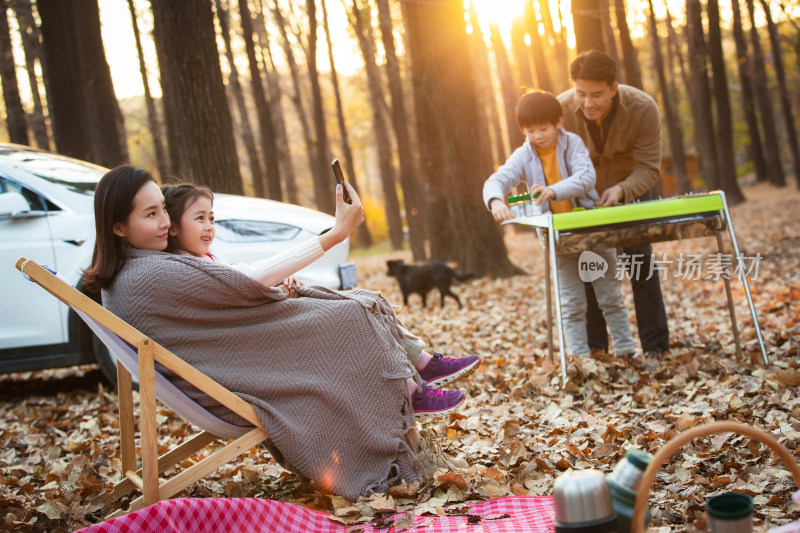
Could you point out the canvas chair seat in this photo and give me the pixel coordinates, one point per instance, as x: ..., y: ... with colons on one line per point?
x: 136, y: 357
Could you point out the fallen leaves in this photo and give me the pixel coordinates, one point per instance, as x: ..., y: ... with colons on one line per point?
x: 519, y: 429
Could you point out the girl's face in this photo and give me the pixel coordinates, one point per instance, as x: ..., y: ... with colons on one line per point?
x: 147, y: 227
x: 194, y: 232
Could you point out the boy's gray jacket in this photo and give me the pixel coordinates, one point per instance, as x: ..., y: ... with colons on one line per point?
x: 577, y: 173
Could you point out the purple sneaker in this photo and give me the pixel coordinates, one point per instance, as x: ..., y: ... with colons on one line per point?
x: 428, y: 402
x: 443, y: 370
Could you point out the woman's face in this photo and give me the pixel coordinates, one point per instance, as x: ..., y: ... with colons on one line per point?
x: 147, y: 227
x: 195, y: 232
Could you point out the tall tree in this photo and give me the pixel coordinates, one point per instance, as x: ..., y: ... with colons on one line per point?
x: 537, y: 48
x: 273, y: 81
x: 745, y: 68
x: 32, y: 47
x: 87, y: 122
x: 199, y: 129
x: 764, y: 103
x: 780, y: 73
x: 364, y: 237
x: 510, y: 91
x: 633, y: 74
x: 560, y: 46
x: 670, y: 114
x: 609, y: 42
x: 700, y: 92
x: 15, y: 113
x: 298, y: 98
x: 412, y: 194
x: 152, y: 117
x: 485, y: 87
x: 520, y: 52
x: 588, y: 25
x: 269, y: 148
x: 725, y: 154
x: 247, y: 136
x: 323, y: 183
x: 361, y: 23
x: 437, y: 30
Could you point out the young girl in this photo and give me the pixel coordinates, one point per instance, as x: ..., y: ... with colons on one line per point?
x: 191, y: 212
x: 326, y: 373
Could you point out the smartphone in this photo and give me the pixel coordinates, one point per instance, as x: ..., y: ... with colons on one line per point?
x: 337, y: 173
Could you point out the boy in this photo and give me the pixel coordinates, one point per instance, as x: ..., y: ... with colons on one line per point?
x: 556, y: 164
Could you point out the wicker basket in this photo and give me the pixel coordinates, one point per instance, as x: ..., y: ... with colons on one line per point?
x: 674, y: 444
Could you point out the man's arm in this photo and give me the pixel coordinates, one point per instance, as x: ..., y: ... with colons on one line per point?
x: 646, y: 154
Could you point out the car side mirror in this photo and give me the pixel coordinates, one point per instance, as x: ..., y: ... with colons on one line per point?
x: 13, y: 204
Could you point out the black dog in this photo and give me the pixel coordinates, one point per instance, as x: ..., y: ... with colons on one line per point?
x: 421, y: 279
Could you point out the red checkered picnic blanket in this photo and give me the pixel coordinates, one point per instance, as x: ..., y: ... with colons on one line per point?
x: 526, y: 514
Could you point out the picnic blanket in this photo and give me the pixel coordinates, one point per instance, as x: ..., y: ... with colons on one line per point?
x: 512, y: 514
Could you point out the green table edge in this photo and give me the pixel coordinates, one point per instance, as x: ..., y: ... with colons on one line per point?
x: 638, y: 211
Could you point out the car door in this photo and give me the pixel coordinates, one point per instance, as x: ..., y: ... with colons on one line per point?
x: 29, y: 316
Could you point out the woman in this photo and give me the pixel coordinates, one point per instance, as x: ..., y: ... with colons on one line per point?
x: 327, y: 373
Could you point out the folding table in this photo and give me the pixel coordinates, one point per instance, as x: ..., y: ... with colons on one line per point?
x: 700, y: 215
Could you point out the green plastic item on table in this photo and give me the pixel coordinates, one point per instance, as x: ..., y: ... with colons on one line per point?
x: 638, y: 211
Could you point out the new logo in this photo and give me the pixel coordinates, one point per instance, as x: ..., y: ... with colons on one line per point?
x: 591, y: 266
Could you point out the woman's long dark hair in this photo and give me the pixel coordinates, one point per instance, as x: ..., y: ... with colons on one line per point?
x: 113, y: 202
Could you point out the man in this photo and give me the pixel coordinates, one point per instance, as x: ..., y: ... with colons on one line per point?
x: 621, y: 127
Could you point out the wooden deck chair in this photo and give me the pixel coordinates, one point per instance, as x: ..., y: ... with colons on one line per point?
x: 136, y: 356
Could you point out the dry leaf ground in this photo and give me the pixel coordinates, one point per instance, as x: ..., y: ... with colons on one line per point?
x: 519, y: 429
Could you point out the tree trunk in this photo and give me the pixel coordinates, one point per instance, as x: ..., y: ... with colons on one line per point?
x: 269, y: 147
x: 276, y: 106
x: 323, y: 183
x: 437, y: 29
x: 777, y: 59
x: 37, y: 121
x: 152, y: 117
x: 510, y: 90
x: 520, y: 52
x: 633, y: 75
x: 485, y: 85
x: 699, y: 141
x: 610, y: 43
x: 537, y: 47
x: 415, y: 211
x: 560, y: 47
x: 588, y: 25
x: 774, y: 164
x: 727, y: 162
x: 297, y: 97
x: 670, y: 114
x: 366, y: 43
x: 248, y: 139
x: 745, y: 69
x: 701, y: 91
x: 106, y: 129
x: 364, y: 237
x: 199, y: 129
x: 86, y: 119
x: 15, y: 114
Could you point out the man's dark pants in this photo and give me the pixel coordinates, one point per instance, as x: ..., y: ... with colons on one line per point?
x: 651, y: 318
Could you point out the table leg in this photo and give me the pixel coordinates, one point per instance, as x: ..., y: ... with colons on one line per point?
x: 549, y: 299
x: 730, y: 305
x: 743, y: 277
x: 557, y: 296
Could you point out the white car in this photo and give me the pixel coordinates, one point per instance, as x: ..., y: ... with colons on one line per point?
x: 47, y: 214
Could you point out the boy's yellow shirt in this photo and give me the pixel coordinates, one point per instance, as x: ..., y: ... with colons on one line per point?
x: 552, y: 175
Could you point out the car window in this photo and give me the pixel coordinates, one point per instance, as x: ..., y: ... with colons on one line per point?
x: 254, y: 231
x: 77, y: 176
x: 35, y: 201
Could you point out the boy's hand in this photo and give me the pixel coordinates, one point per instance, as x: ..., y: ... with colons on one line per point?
x: 545, y: 193
x: 500, y: 210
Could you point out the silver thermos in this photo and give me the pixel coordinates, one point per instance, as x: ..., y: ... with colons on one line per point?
x: 583, y: 503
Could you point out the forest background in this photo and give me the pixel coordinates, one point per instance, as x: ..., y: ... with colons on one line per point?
x: 415, y: 97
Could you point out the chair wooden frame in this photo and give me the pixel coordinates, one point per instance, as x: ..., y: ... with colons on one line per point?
x: 146, y: 479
